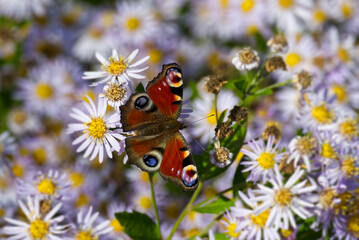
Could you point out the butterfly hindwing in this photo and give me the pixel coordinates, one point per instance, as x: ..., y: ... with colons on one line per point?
x: 177, y: 163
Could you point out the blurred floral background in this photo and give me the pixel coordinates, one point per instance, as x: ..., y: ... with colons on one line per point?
x: 280, y: 157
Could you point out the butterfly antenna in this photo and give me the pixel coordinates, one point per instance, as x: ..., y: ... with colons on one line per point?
x: 194, y: 139
x: 191, y: 123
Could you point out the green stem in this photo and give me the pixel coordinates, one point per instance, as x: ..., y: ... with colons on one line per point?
x: 272, y: 86
x: 215, y: 107
x: 186, y: 210
x: 150, y: 175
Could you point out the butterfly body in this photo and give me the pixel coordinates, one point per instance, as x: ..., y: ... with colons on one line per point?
x: 156, y: 143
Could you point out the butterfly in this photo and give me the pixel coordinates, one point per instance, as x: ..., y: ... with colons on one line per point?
x: 156, y: 143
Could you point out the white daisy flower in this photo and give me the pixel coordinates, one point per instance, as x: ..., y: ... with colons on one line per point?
x: 95, y: 127
x: 328, y: 147
x: 20, y: 10
x: 20, y: 121
x: 220, y: 156
x: 40, y: 226
x: 136, y: 22
x: 246, y: 59
x: 288, y: 14
x: 250, y: 225
x: 42, y: 90
x: 284, y: 199
x: 263, y: 159
x: 231, y: 225
x: 117, y: 68
x: 84, y: 228
x: 204, y: 107
x: 317, y: 110
x: 302, y: 148
x: 46, y: 186
x: 94, y: 39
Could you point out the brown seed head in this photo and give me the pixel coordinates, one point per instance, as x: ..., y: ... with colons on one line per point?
x: 214, y: 84
x: 275, y: 63
x: 302, y: 80
x: 238, y: 114
x: 278, y: 43
x: 224, y: 130
x: 221, y: 154
x: 272, y: 129
x: 285, y: 167
x: 45, y: 207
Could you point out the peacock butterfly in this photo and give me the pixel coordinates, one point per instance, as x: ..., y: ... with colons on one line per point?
x: 156, y: 143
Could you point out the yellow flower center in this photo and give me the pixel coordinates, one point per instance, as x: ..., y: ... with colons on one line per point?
x: 349, y: 128
x: 156, y: 56
x: 97, y: 128
x: 18, y: 170
x: 212, y: 120
x: 224, y: 3
x: 85, y: 235
x: 191, y: 233
x: 283, y: 197
x: 319, y: 16
x: 95, y: 33
x: 247, y: 5
x: 231, y: 230
x: 261, y: 219
x: 348, y: 167
x: 266, y: 160
x: 340, y: 92
x: 353, y: 225
x: 82, y: 200
x: 46, y: 186
x: 347, y: 10
x: 306, y: 145
x: 144, y: 177
x: 322, y: 114
x: 39, y: 156
x: 3, y: 183
x: 133, y: 23
x: 19, y: 117
x: 252, y: 29
x: 77, y: 179
x: 192, y: 215
x: 328, y: 151
x: 145, y: 202
x: 293, y: 59
x: 2, y: 212
x: 326, y: 198
x: 286, y: 3
x: 44, y: 91
x: 116, y: 225
x: 343, y: 54
x: 116, y: 67
x: 39, y: 229
x: 286, y: 233
x: 172, y: 211
x: 90, y: 94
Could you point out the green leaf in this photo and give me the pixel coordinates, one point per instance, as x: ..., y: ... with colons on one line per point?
x: 221, y: 117
x: 140, y: 88
x: 238, y: 180
x: 215, y: 207
x: 261, y: 43
x: 221, y: 236
x: 138, y: 225
x: 240, y: 85
x: 263, y: 92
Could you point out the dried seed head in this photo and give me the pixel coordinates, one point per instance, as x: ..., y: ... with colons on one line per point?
x: 224, y: 130
x: 302, y: 80
x: 238, y: 114
x: 273, y: 129
x: 214, y: 84
x: 286, y: 167
x: 221, y: 154
x: 275, y: 63
x: 246, y: 59
x: 278, y: 43
x: 45, y: 207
